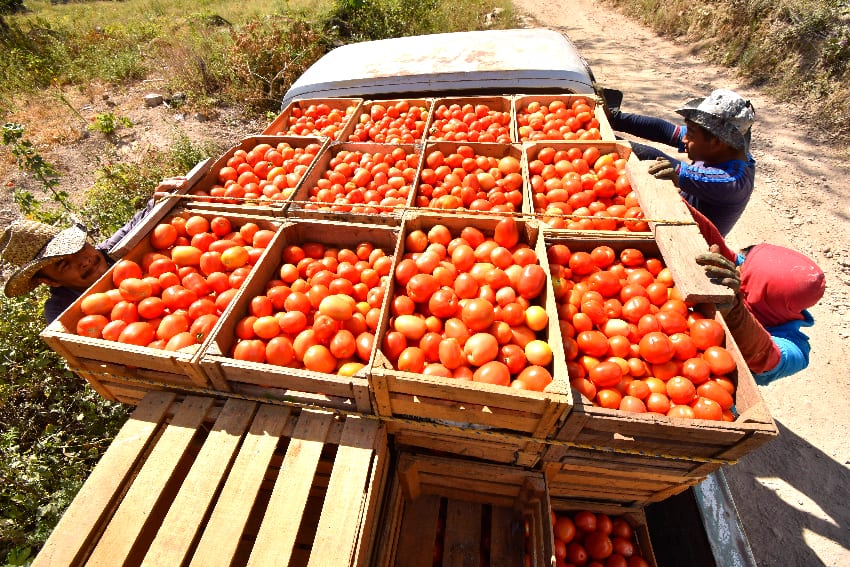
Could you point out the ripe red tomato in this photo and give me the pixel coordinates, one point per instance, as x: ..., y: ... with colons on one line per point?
x: 564, y: 528
x: 706, y: 333
x: 91, y: 325
x: 598, y: 545
x: 656, y: 347
x: 720, y: 360
x: 124, y: 269
x: 585, y: 521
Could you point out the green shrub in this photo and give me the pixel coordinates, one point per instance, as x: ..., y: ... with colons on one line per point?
x: 54, y: 429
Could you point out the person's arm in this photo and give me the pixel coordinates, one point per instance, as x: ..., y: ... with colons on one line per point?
x: 649, y: 128
x: 761, y: 353
x: 794, y: 357
x: 166, y: 186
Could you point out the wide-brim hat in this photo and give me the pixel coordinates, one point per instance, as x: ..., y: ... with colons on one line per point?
x: 27, y: 246
x: 724, y: 113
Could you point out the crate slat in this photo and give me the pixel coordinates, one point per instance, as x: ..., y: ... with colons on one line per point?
x: 341, y: 512
x: 463, y: 525
x: 419, y: 532
x: 276, y: 538
x: 130, y: 519
x: 185, y: 517
x: 218, y: 543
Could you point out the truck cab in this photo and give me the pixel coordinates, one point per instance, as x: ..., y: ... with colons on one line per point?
x: 470, y: 63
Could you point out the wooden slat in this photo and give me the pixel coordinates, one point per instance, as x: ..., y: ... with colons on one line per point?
x: 338, y: 528
x: 220, y: 539
x: 131, y: 517
x: 462, y: 542
x: 80, y: 522
x: 506, y: 538
x: 188, y: 510
x: 418, y: 532
x: 276, y: 538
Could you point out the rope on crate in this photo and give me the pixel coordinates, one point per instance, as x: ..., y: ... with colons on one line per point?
x: 501, y: 435
x: 280, y: 205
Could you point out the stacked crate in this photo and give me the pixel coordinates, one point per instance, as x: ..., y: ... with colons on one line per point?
x: 476, y: 454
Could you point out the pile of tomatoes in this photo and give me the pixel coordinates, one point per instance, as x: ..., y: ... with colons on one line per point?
x: 365, y: 182
x: 262, y: 174
x: 631, y: 344
x: 558, y: 120
x: 316, y: 120
x: 399, y: 122
x: 175, y: 295
x: 457, y: 122
x: 587, y: 538
x: 466, y: 307
x: 587, y: 184
x: 321, y: 312
x: 464, y: 179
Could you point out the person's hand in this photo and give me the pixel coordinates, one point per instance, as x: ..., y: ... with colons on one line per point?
x: 721, y: 271
x: 663, y: 169
x: 169, y: 185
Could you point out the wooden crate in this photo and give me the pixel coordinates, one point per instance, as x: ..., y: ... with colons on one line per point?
x: 272, y: 208
x: 448, y: 511
x: 494, y: 103
x: 254, y: 379
x: 520, y: 102
x: 364, y: 112
x: 635, y: 516
x: 298, y: 208
x: 199, y: 481
x: 532, y: 149
x: 641, y: 458
x: 472, y: 409
x: 112, y: 367
x: 481, y: 149
x: 283, y: 124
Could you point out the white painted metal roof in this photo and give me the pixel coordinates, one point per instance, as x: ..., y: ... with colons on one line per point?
x: 494, y: 61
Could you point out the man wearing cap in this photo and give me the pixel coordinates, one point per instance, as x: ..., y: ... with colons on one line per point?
x: 38, y: 253
x: 716, y: 137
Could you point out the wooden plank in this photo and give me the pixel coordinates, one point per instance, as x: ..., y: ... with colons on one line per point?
x: 98, y: 496
x: 462, y: 542
x: 418, y: 532
x: 218, y: 544
x: 342, y: 512
x: 187, y: 512
x: 506, y: 539
x: 117, y: 542
x: 276, y: 539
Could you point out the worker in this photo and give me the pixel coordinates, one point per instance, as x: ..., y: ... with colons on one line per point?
x: 774, y: 288
x: 716, y: 137
x: 64, y: 260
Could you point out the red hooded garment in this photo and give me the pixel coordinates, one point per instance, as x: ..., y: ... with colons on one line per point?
x: 778, y: 283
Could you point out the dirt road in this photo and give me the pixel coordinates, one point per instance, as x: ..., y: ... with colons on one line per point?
x: 792, y: 493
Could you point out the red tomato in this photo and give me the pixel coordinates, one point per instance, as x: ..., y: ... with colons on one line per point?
x: 506, y: 232
x: 585, y: 521
x: 124, y: 269
x: 720, y: 360
x: 91, y: 325
x: 656, y: 347
x: 680, y: 390
x: 605, y: 374
x: 714, y: 391
x: 564, y: 528
x: 138, y: 333
x: 706, y: 333
x: 598, y: 545
x: 534, y: 378
x: 493, y: 372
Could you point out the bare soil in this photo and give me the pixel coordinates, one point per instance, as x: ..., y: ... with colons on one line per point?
x: 792, y: 493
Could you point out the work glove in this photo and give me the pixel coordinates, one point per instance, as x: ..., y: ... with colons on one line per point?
x: 663, y: 169
x: 755, y: 343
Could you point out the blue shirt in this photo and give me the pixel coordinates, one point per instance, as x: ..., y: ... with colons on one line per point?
x: 794, y: 347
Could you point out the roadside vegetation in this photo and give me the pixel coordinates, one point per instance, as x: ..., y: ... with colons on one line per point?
x: 797, y: 50
x: 53, y: 427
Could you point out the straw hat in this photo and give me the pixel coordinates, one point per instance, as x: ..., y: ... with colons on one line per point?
x: 27, y: 246
x: 725, y: 114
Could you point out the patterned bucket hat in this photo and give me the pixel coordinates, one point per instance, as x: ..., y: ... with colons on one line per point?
x: 27, y: 246
x: 725, y: 114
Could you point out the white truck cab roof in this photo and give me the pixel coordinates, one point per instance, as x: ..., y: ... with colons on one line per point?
x: 479, y: 62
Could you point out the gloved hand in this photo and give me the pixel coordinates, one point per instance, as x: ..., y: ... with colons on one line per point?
x: 663, y: 169
x: 720, y: 270
x: 755, y: 343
